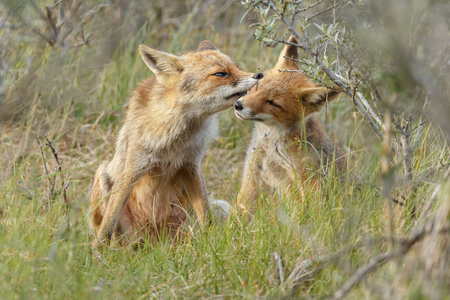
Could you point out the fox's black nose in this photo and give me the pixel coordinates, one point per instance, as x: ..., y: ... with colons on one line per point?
x: 238, y: 105
x: 258, y: 76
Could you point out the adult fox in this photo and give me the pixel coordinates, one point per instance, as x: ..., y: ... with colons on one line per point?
x: 287, y: 139
x: 155, y: 176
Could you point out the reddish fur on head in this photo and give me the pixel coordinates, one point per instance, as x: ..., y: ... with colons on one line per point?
x: 193, y: 76
x: 284, y: 97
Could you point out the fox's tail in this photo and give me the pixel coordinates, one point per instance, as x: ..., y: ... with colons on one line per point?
x: 220, y: 209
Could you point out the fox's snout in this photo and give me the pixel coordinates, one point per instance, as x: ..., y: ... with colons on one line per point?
x: 244, y: 82
x: 258, y: 76
x: 244, y: 112
x: 238, y: 105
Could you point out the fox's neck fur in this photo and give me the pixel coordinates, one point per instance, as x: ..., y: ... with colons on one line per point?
x: 288, y: 142
x: 307, y: 130
x: 165, y: 121
x: 175, y: 127
x: 169, y: 131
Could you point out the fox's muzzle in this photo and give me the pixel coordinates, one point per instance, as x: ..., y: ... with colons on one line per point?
x: 238, y: 105
x: 258, y: 76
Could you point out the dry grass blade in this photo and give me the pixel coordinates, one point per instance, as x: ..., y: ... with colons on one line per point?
x: 278, y: 266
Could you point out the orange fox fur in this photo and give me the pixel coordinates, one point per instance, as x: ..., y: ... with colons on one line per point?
x: 155, y: 179
x: 288, y: 138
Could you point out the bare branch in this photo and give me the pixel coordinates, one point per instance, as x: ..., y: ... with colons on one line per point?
x: 51, y: 23
x: 47, y: 39
x: 360, y: 273
x: 381, y: 259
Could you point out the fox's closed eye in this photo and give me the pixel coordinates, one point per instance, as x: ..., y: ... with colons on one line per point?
x: 273, y: 103
x: 221, y: 74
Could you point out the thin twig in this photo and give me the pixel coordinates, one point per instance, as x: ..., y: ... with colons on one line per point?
x: 301, y: 271
x: 291, y: 71
x: 376, y: 100
x: 421, y: 122
x: 64, y: 185
x: 369, y: 108
x: 25, y: 188
x: 43, y: 158
x: 47, y: 39
x: 54, y: 5
x: 13, y: 81
x: 405, y: 142
x: 435, y: 195
x: 325, y: 10
x: 55, y: 154
x: 307, y: 7
x: 51, y: 179
x: 52, y: 23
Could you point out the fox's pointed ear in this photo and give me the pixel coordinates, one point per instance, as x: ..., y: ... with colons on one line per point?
x: 159, y: 62
x: 291, y: 52
x: 316, y: 97
x: 206, y: 45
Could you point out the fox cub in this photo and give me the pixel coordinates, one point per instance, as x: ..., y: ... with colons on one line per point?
x: 155, y: 179
x: 287, y: 139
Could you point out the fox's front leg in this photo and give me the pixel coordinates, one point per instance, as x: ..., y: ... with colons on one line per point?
x: 248, y: 192
x: 121, y: 192
x: 195, y: 186
x: 247, y: 195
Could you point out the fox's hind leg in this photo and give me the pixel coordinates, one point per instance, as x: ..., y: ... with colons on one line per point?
x: 194, y: 183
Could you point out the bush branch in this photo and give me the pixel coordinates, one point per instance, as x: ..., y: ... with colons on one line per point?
x: 377, y: 261
x: 368, y: 115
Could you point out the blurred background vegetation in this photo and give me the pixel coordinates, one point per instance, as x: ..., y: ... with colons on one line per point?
x: 66, y: 70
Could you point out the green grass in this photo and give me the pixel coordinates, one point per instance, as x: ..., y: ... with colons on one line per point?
x: 76, y: 99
